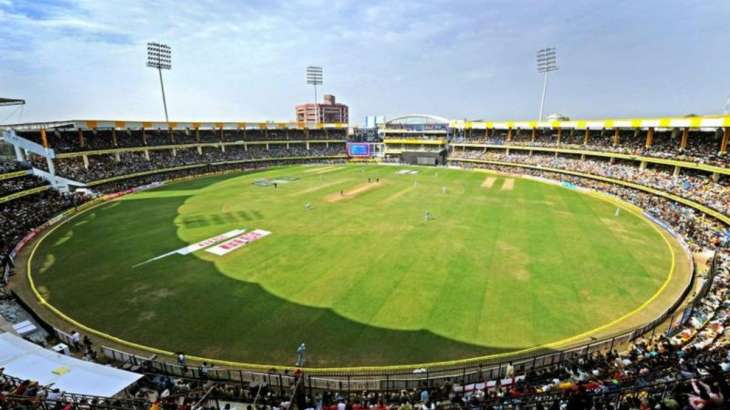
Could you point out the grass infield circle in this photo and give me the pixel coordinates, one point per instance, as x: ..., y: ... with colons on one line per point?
x: 353, y: 267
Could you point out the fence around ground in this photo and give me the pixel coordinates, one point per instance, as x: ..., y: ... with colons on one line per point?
x: 399, y: 379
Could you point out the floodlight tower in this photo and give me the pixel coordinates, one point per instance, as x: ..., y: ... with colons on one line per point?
x: 7, y: 102
x: 159, y: 56
x: 546, y: 62
x: 314, y: 77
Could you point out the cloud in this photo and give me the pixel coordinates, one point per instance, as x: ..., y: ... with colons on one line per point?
x: 246, y: 60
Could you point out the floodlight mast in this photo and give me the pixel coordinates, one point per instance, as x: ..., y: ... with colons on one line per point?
x: 546, y: 62
x: 7, y: 102
x: 314, y: 78
x: 159, y: 56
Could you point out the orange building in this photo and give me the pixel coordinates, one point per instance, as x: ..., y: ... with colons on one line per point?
x: 329, y: 111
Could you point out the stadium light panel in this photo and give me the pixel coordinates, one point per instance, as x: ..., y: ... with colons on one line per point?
x: 314, y: 78
x: 547, y: 61
x: 159, y: 56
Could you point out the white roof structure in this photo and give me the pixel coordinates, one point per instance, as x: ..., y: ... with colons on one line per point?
x: 418, y: 119
x: 25, y: 360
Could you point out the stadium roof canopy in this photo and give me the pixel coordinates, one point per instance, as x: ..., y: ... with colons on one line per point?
x: 705, y: 122
x: 28, y: 361
x: 175, y: 125
x: 410, y: 121
x: 413, y: 119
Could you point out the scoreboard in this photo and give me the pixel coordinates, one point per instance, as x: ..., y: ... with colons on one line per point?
x: 357, y: 149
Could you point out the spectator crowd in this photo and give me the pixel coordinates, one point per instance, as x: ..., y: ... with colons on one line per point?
x: 20, y: 216
x: 695, y: 186
x: 17, y: 184
x: 104, y: 139
x: 107, y: 166
x: 8, y: 166
x: 702, y: 146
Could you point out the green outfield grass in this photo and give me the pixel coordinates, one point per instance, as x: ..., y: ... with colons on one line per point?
x: 363, y: 279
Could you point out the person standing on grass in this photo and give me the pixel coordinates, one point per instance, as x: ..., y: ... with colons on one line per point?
x: 301, y: 350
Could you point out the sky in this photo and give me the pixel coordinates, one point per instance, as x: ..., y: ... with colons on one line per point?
x: 245, y: 60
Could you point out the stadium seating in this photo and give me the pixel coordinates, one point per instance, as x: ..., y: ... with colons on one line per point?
x: 102, y: 167
x: 18, y: 184
x: 690, y: 185
x: 8, y: 167
x: 104, y: 139
x: 702, y: 146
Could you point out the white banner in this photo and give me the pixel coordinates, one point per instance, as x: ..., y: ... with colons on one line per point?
x: 198, y: 245
x: 209, y: 242
x: 237, y: 242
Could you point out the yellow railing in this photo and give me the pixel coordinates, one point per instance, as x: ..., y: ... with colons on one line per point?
x: 414, y: 141
x: 14, y: 174
x: 24, y: 193
x: 189, y: 146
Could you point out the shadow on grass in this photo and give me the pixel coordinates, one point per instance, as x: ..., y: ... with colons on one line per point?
x: 185, y: 304
x: 222, y: 218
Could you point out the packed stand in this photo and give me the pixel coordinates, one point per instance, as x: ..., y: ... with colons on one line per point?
x: 18, y: 184
x: 8, y: 166
x: 106, y: 166
x: 694, y: 186
x: 19, y: 216
x: 73, y: 141
x: 702, y: 147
